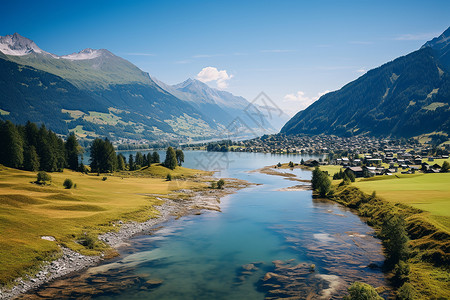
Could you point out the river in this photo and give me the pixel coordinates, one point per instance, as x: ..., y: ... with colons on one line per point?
x: 264, y: 243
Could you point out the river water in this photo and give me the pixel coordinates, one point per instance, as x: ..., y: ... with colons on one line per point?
x: 262, y: 244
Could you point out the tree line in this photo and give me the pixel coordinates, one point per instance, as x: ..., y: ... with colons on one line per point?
x: 104, y: 158
x: 34, y: 148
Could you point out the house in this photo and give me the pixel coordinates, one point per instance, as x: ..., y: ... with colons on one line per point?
x: 311, y: 163
x: 357, y: 171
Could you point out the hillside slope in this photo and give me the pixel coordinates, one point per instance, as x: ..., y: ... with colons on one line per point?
x: 406, y: 97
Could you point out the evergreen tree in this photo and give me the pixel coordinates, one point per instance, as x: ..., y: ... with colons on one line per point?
x: 171, y: 159
x: 149, y: 159
x: 103, y: 156
x: 156, y: 159
x: 395, y: 240
x: 180, y: 156
x: 30, y: 159
x: 131, y: 165
x: 139, y: 160
x: 72, y: 151
x: 445, y: 167
x: 31, y: 134
x: 45, y: 151
x: 120, y: 162
x: 11, y: 152
x: 145, y: 163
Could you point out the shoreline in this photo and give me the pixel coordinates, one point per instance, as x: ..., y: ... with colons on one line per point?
x: 71, y: 262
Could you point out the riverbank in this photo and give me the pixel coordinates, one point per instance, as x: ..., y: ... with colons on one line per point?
x: 148, y: 201
x: 429, y: 259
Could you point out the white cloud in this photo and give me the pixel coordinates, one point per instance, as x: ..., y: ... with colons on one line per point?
x: 292, y: 103
x: 212, y: 74
x: 416, y: 36
x: 362, y: 71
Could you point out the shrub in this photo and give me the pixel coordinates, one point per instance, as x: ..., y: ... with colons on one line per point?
x: 213, y: 185
x: 43, y: 177
x: 220, y: 183
x: 406, y: 292
x: 291, y: 164
x: 401, y: 273
x: 278, y: 165
x: 169, y: 177
x: 88, y: 241
x: 68, y: 183
x: 104, y: 178
x: 362, y: 291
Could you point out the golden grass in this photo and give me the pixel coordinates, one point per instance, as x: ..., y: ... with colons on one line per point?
x: 29, y: 211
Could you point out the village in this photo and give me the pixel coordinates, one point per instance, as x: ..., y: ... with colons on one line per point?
x: 363, y: 156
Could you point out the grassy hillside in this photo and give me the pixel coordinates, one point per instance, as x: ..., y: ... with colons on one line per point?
x: 29, y: 211
x: 427, y: 192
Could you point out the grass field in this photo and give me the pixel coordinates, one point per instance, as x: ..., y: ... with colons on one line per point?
x: 428, y: 192
x: 29, y: 211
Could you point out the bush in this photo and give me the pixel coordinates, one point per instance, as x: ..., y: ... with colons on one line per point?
x: 213, y: 185
x: 278, y: 165
x: 401, y: 273
x: 88, y: 241
x: 406, y: 292
x: 220, y: 183
x: 43, y: 177
x: 68, y: 183
x: 291, y: 164
x: 169, y: 177
x: 362, y: 291
x: 104, y: 178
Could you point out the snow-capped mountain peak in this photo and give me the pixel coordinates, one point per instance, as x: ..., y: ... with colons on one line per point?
x: 86, y: 54
x: 18, y: 45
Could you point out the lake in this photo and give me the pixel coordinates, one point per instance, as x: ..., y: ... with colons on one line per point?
x: 264, y: 243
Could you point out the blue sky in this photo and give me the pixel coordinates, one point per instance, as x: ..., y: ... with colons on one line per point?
x: 291, y: 50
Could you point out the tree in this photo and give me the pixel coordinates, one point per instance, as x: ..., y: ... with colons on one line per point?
x: 72, y: 150
x: 120, y: 162
x: 302, y: 162
x: 445, y: 167
x: 395, y: 239
x: 68, y: 183
x: 220, y: 183
x: 30, y: 159
x: 180, y: 156
x: 11, y: 151
x: 103, y: 156
x: 362, y: 291
x: 155, y: 158
x: 320, y: 182
x: 42, y: 177
x: 139, y: 160
x: 171, y: 159
x: 291, y: 164
x: 131, y: 164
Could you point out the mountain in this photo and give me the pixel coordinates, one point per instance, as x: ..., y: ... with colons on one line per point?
x: 92, y: 92
x: 406, y: 97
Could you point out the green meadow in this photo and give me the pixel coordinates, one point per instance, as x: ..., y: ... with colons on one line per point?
x: 428, y: 192
x: 29, y: 211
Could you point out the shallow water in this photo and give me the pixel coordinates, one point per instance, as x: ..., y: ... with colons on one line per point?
x: 225, y: 255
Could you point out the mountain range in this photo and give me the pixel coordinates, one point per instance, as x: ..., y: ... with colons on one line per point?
x: 406, y: 97
x: 96, y: 93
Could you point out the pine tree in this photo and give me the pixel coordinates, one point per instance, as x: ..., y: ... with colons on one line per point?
x: 131, y: 165
x: 120, y: 162
x: 395, y: 239
x: 180, y: 156
x: 156, y: 159
x: 139, y: 160
x: 30, y: 159
x: 11, y: 152
x: 171, y: 159
x: 72, y: 151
